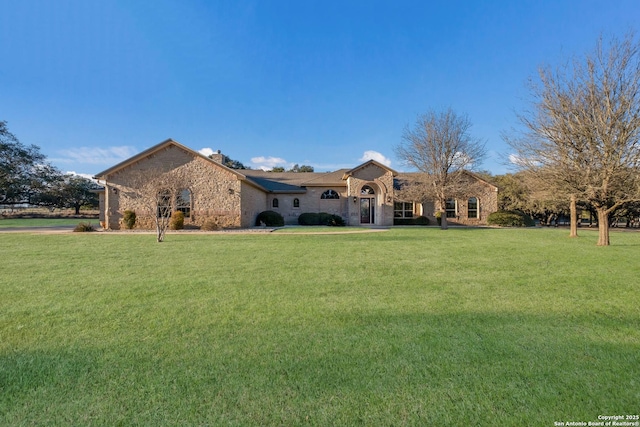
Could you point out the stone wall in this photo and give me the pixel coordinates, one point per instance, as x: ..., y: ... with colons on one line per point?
x: 381, y: 180
x: 253, y: 201
x: 214, y: 189
x: 487, y: 196
x: 311, y: 201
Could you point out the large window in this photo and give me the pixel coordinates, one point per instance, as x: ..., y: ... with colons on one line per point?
x: 403, y: 210
x: 472, y: 207
x: 164, y: 204
x: 330, y: 194
x: 183, y: 202
x: 167, y: 205
x: 450, y: 208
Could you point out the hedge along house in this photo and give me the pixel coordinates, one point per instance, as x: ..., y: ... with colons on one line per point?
x: 208, y: 191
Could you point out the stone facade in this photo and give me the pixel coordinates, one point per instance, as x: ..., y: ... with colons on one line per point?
x: 472, y: 208
x: 215, y: 191
x: 227, y: 198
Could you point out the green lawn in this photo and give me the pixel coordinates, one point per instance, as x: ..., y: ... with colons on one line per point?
x: 42, y: 222
x: 469, y: 327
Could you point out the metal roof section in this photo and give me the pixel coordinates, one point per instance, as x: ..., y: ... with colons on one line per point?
x: 294, y: 182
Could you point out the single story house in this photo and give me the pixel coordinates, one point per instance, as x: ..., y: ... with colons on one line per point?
x: 211, y: 191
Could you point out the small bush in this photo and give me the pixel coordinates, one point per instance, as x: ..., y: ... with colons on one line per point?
x: 84, y: 227
x: 177, y: 221
x: 210, y: 225
x: 420, y: 220
x: 336, y: 221
x: 270, y: 219
x: 510, y: 219
x: 322, y: 218
x: 129, y: 219
x: 309, y: 218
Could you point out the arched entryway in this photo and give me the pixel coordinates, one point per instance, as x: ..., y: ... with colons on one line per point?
x: 368, y: 205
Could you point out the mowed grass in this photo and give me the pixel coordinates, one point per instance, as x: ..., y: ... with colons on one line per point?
x: 404, y: 327
x: 42, y: 222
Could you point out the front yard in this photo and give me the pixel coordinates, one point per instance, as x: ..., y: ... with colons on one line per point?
x: 403, y: 327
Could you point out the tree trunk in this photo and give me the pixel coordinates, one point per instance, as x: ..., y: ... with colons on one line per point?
x: 574, y: 217
x: 603, y: 226
x: 159, y: 231
x: 443, y: 221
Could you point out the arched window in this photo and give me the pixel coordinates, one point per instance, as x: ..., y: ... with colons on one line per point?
x: 472, y: 207
x: 330, y: 194
x: 367, y: 190
x: 183, y: 202
x: 296, y: 203
x: 275, y: 203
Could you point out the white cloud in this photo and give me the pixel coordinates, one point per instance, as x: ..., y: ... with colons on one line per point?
x: 206, y: 151
x: 374, y: 155
x: 267, y: 163
x: 96, y: 156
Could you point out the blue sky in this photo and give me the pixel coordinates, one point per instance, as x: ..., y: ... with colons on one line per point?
x: 273, y: 83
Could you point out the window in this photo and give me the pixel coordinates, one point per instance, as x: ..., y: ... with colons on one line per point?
x: 330, y: 194
x: 450, y: 208
x: 296, y: 203
x: 164, y: 204
x: 472, y: 207
x: 403, y: 210
x: 183, y: 203
x: 275, y: 203
x: 367, y: 190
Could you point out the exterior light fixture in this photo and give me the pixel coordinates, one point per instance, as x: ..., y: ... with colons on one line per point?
x: 355, y: 199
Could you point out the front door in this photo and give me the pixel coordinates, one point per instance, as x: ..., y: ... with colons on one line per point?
x: 367, y: 210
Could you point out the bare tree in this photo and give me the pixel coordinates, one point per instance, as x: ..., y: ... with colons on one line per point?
x: 440, y: 147
x: 158, y: 192
x: 581, y: 136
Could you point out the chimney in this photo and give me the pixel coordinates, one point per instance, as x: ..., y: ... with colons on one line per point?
x: 217, y: 157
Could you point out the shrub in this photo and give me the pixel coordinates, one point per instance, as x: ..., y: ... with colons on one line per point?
x: 129, y: 219
x: 309, y: 218
x: 420, y: 220
x: 510, y: 219
x: 322, y: 218
x: 270, y: 219
x: 84, y: 227
x: 336, y: 221
x: 210, y: 225
x: 177, y: 221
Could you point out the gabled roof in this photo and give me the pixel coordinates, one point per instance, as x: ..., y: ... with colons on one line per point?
x: 364, y: 165
x: 408, y: 175
x: 158, y: 147
x: 271, y: 182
